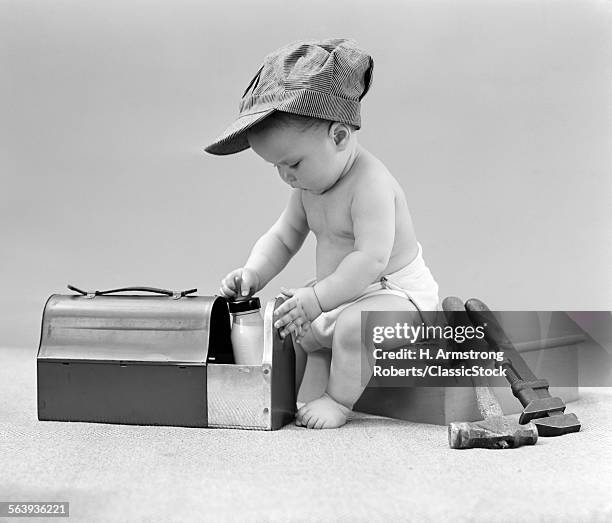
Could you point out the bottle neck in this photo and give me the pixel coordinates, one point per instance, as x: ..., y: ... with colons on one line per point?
x: 246, y: 313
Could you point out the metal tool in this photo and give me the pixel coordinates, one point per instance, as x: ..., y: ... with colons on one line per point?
x: 547, y: 412
x: 495, y: 431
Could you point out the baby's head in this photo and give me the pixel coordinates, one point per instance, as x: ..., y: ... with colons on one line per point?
x: 309, y: 153
x: 305, y: 90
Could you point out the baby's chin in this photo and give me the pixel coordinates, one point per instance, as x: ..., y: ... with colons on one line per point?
x: 301, y: 188
x: 313, y: 190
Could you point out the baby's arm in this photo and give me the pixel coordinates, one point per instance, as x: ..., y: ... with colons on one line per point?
x: 373, y: 217
x: 275, y: 248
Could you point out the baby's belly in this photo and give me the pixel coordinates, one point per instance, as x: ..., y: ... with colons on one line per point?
x: 330, y: 252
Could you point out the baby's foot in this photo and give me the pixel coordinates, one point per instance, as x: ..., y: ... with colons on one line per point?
x: 322, y: 413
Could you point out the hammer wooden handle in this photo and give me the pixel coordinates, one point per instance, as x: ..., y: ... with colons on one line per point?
x: 487, y: 402
x: 455, y: 313
x: 481, y: 315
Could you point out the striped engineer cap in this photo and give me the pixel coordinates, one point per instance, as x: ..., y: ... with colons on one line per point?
x: 324, y: 79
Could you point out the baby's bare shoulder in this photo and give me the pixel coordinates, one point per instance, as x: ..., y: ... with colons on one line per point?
x: 372, y: 175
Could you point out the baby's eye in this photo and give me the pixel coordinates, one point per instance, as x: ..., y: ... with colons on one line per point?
x: 295, y: 165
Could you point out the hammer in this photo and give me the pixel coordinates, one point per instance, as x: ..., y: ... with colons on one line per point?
x: 495, y: 431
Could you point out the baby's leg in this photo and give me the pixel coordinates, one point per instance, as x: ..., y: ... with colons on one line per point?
x: 307, y: 345
x: 300, y: 365
x: 347, y: 380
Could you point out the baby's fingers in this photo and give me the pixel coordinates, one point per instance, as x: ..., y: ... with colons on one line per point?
x: 294, y: 315
x: 304, y: 328
x: 285, y: 308
x: 291, y: 328
x: 226, y: 290
x: 229, y: 289
x: 297, y: 328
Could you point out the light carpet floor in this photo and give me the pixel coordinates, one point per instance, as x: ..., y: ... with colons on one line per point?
x: 373, y: 469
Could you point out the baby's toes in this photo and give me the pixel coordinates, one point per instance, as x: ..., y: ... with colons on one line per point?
x: 299, y: 415
x: 308, y: 418
x: 320, y: 424
x: 311, y: 421
x: 303, y: 416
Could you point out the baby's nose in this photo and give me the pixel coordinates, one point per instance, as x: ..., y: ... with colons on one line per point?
x: 285, y: 175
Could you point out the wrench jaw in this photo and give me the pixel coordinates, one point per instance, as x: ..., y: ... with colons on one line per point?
x: 542, y: 408
x: 557, y: 425
x: 548, y: 416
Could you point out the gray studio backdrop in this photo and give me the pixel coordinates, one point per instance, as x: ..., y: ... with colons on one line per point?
x: 494, y: 116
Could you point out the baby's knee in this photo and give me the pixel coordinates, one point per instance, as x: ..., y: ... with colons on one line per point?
x: 348, y: 329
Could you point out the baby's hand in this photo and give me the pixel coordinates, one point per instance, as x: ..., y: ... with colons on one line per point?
x: 241, y: 283
x: 296, y: 313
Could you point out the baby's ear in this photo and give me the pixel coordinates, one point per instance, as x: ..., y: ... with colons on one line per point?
x: 340, y: 133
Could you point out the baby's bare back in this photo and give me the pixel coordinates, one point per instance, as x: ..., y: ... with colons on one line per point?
x: 330, y: 217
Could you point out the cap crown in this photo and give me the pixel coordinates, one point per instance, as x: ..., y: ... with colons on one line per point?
x: 322, y: 79
x: 331, y: 67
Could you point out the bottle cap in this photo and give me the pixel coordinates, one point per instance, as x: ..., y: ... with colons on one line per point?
x: 244, y: 305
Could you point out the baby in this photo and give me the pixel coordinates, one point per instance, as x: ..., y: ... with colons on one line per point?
x: 301, y: 113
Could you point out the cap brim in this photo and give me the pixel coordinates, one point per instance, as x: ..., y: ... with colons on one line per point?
x: 234, y: 139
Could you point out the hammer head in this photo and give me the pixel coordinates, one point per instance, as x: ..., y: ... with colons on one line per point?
x: 494, y: 432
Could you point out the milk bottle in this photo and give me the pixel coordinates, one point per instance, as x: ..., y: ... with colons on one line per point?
x: 247, y: 331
